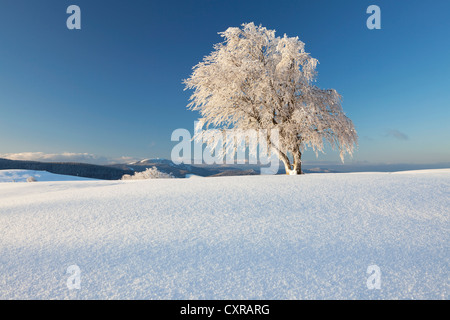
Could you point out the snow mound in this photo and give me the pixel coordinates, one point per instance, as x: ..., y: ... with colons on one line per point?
x: 22, y: 175
x: 434, y: 171
x: 248, y: 237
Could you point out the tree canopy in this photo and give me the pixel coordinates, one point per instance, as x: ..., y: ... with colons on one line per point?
x: 255, y: 80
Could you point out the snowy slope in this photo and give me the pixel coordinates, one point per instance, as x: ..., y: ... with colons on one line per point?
x: 263, y: 237
x: 22, y: 175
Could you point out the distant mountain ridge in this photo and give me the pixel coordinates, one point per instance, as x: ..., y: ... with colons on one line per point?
x: 116, y: 171
x: 181, y: 170
x: 67, y: 168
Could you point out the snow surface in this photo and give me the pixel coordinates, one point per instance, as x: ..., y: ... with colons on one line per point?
x: 248, y: 237
x: 22, y: 175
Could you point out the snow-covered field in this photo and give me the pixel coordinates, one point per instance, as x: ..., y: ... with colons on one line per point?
x: 246, y: 237
x: 22, y: 175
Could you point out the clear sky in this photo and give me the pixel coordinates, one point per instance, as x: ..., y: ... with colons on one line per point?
x: 114, y: 88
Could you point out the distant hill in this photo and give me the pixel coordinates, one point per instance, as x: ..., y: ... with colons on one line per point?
x: 116, y: 171
x: 236, y: 172
x: 181, y: 170
x: 167, y: 166
x: 66, y: 168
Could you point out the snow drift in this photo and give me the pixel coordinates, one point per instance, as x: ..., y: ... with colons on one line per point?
x: 250, y: 237
x: 23, y: 175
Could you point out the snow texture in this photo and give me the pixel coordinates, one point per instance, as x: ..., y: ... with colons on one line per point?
x: 311, y: 236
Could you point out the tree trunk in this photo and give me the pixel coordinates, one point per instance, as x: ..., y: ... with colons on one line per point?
x: 298, y: 162
x: 296, y: 167
x: 287, y: 164
x: 287, y: 167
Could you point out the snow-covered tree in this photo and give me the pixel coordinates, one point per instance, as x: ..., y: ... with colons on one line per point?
x: 149, y: 173
x: 255, y: 80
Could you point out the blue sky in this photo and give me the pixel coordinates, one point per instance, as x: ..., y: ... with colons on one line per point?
x: 114, y: 88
